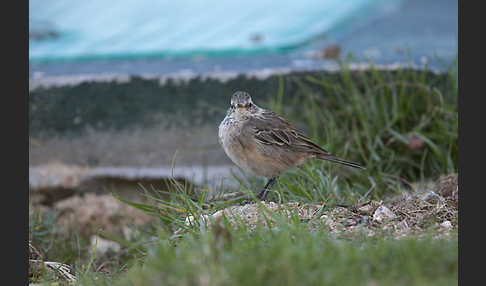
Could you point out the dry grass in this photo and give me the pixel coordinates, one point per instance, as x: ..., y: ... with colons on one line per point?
x: 412, y: 212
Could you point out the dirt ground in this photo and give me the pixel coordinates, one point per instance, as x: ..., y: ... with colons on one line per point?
x: 433, y: 205
x: 413, y: 211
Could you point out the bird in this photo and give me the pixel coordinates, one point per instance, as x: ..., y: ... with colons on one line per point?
x: 262, y: 143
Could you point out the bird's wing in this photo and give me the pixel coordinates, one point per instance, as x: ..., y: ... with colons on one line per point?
x: 271, y: 129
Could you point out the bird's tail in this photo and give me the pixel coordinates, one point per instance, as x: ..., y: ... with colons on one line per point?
x: 337, y: 160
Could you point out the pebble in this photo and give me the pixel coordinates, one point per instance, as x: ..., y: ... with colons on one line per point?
x: 383, y: 213
x: 103, y: 245
x: 446, y: 224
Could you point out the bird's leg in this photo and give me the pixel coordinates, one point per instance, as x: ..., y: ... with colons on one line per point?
x: 263, y: 194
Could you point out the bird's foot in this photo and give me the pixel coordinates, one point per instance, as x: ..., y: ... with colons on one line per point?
x: 261, y: 196
x: 247, y: 201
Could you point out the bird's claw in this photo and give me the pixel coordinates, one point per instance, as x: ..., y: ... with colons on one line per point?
x: 261, y: 196
x: 247, y: 201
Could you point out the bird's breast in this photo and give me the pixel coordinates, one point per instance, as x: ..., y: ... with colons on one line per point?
x: 235, y: 146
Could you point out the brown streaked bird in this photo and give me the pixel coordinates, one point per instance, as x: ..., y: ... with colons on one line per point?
x: 264, y: 144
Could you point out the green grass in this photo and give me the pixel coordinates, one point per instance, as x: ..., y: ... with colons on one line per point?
x: 294, y: 256
x: 371, y: 118
x: 363, y: 116
x: 65, y: 245
x: 52, y: 241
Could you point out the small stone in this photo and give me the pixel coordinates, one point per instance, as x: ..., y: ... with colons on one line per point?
x: 217, y: 215
x: 446, y: 224
x: 366, y: 209
x: 383, y: 213
x: 103, y: 245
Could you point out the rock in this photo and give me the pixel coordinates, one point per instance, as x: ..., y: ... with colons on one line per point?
x: 382, y: 214
x: 217, y: 215
x: 103, y: 246
x: 446, y: 224
x: 89, y: 212
x: 368, y: 208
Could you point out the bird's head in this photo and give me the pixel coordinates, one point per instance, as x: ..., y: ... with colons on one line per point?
x: 242, y: 105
